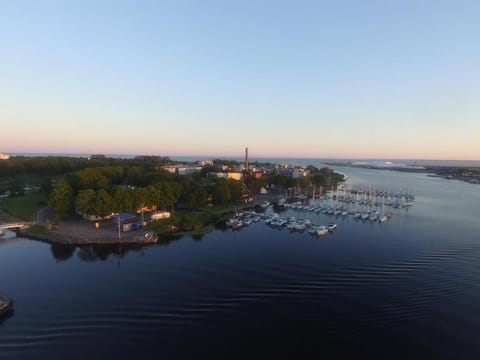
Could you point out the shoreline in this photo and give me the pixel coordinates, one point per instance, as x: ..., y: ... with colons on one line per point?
x: 469, y: 175
x: 78, y: 241
x: 62, y: 235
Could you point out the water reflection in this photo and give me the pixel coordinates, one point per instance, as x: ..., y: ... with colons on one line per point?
x: 62, y: 252
x: 4, y: 317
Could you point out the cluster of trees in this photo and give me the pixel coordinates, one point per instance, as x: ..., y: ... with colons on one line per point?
x: 100, y: 185
x: 103, y: 190
x: 21, y: 171
x: 325, y: 177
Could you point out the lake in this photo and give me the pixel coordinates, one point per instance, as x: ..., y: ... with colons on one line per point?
x: 409, y: 288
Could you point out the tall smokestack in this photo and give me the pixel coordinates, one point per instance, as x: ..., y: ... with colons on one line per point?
x: 246, y: 159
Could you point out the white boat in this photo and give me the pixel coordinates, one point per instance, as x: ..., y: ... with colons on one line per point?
x: 331, y: 227
x: 281, y: 203
x: 234, y: 223
x: 300, y: 226
x: 150, y: 237
x: 265, y: 204
x: 383, y: 219
x: 365, y: 216
x: 322, y: 230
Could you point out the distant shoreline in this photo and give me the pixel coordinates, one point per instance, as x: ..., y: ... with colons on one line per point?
x: 470, y: 175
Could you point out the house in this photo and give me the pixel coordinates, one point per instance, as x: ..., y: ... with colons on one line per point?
x: 126, y: 221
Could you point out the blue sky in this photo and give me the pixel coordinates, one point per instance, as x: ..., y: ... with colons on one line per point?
x: 376, y: 79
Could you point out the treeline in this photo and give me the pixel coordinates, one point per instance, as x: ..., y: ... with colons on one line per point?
x: 27, y: 166
x: 324, y: 177
x: 21, y: 171
x: 102, y: 190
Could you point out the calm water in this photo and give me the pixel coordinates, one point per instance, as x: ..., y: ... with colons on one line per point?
x: 406, y: 289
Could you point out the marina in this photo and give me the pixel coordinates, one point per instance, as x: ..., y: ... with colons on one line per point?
x: 365, y: 206
x: 315, y: 287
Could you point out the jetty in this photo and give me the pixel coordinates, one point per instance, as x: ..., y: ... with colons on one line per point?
x: 6, y: 305
x: 148, y: 237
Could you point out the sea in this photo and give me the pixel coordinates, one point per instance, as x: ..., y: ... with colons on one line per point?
x: 406, y: 289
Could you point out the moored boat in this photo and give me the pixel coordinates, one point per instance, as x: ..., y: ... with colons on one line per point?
x: 331, y: 227
x: 150, y: 237
x: 322, y: 230
x: 265, y: 204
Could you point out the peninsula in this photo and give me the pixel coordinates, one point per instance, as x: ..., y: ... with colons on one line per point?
x: 467, y: 174
x: 102, y: 200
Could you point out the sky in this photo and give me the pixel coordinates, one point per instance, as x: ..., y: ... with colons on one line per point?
x: 317, y: 79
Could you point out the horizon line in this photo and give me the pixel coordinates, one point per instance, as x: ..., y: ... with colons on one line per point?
x: 200, y: 157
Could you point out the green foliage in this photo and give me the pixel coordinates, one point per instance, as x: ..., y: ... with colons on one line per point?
x: 85, y: 201
x: 122, y: 200
x: 254, y: 185
x: 188, y: 221
x: 235, y: 188
x: 283, y: 181
x: 104, y: 203
x: 303, y: 182
x: 61, y: 199
x: 134, y: 176
x: 16, y: 187
x: 222, y: 193
x: 24, y: 207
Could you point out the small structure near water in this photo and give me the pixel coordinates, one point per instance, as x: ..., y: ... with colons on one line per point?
x: 6, y: 306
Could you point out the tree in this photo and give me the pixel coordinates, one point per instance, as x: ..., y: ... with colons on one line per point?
x: 303, y: 182
x: 197, y: 197
x: 254, y: 185
x: 222, y: 193
x: 283, y: 181
x: 104, y: 203
x: 61, y: 199
x: 122, y: 200
x: 85, y: 201
x: 235, y: 188
x: 169, y: 193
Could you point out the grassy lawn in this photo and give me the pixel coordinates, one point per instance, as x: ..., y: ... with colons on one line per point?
x: 24, y: 207
x: 184, y: 221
